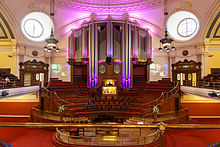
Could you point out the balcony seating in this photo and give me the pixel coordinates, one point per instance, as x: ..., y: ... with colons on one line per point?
x: 60, y: 87
x: 211, y: 80
x: 159, y: 86
x: 12, y: 77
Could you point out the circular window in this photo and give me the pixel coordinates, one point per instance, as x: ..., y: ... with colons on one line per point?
x: 187, y: 27
x: 36, y: 26
x: 33, y: 28
x: 182, y: 25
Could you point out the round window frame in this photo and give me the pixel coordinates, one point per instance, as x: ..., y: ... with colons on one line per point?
x: 192, y: 32
x: 28, y: 33
x: 45, y: 20
x: 173, y: 21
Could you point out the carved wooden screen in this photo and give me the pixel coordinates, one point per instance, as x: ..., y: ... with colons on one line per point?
x: 31, y: 72
x: 186, y: 72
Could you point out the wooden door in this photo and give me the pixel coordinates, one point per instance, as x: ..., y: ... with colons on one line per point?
x: 194, y: 81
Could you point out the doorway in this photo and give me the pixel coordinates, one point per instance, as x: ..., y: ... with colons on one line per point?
x: 187, y: 73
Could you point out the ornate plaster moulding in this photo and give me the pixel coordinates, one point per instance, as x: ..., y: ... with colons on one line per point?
x: 109, y: 5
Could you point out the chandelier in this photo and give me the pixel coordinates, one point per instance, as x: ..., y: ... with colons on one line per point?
x: 166, y: 42
x: 51, y: 41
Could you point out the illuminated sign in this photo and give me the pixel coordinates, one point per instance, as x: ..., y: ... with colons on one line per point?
x: 185, y: 66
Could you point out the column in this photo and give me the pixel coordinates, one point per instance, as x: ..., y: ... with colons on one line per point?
x: 109, y: 38
x: 93, y: 55
x: 126, y: 55
x: 84, y: 43
x: 72, y: 45
x: 135, y: 46
x: 148, y: 45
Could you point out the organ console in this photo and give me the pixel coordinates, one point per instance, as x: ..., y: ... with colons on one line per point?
x: 109, y: 88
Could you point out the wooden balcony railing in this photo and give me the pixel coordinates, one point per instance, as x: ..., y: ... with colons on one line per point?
x: 205, y: 84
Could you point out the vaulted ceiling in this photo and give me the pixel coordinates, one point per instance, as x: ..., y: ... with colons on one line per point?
x: 70, y: 14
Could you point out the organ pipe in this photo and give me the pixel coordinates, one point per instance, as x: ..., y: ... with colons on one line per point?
x: 126, y: 78
x: 109, y: 38
x: 93, y: 55
x: 96, y: 56
x: 148, y: 46
x: 116, y: 45
x: 84, y: 43
x: 71, y: 45
x: 135, y: 44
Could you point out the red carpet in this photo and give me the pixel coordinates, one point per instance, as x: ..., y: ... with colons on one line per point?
x: 193, y: 137
x: 203, y: 109
x: 25, y: 137
x: 16, y: 108
x: 28, y: 137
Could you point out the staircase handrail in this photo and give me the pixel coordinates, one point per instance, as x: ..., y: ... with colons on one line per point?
x: 164, y: 96
x: 55, y: 94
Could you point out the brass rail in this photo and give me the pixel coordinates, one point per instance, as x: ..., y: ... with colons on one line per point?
x: 161, y: 126
x: 66, y: 125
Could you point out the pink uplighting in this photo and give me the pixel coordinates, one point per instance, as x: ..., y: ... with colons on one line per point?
x: 134, y: 62
x: 118, y: 62
x: 85, y: 62
x: 101, y: 62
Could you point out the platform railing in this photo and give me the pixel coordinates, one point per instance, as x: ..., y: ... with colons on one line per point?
x: 162, y: 98
x: 116, y: 139
x: 14, y: 84
x: 204, y: 84
x: 161, y: 126
x: 51, y: 116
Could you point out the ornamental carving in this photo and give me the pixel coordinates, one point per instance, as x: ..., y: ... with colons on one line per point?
x: 106, y: 5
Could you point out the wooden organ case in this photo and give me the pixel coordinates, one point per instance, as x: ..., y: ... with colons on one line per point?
x: 110, y: 50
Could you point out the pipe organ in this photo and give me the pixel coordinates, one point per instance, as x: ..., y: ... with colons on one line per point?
x: 118, y: 46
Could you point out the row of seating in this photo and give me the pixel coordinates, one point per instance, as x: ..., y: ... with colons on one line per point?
x: 112, y: 99
x: 59, y: 86
x: 125, y: 113
x: 159, y: 86
x: 112, y: 107
x: 163, y: 85
x: 108, y: 104
x: 211, y: 80
x: 4, y: 75
x: 126, y: 102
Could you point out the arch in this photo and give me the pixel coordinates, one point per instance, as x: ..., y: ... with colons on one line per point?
x: 211, y: 17
x: 8, y: 39
x: 213, y: 29
x: 11, y: 22
x: 6, y: 29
